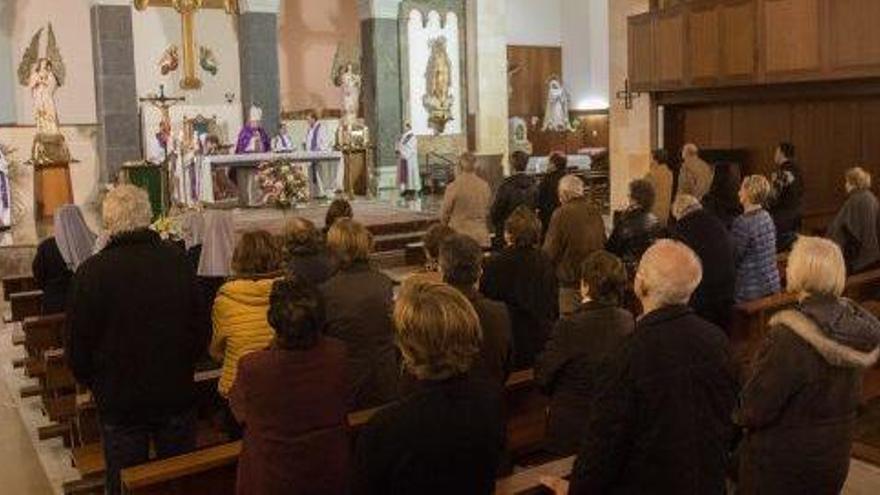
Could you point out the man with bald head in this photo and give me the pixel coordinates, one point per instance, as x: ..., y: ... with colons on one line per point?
x: 696, y: 176
x: 662, y: 418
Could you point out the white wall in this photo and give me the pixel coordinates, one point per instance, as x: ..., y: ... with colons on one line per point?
x: 585, y: 63
x: 580, y: 27
x: 534, y: 22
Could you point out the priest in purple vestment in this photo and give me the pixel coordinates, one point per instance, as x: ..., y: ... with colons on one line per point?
x: 253, y: 138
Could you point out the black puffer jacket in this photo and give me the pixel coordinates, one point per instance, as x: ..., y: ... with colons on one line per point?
x: 634, y: 232
x: 799, y: 406
x: 661, y: 419
x: 787, y: 204
x: 516, y: 190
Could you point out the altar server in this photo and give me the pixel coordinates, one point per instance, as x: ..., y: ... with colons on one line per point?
x: 282, y: 143
x: 408, y: 175
x: 5, y: 194
x: 326, y: 177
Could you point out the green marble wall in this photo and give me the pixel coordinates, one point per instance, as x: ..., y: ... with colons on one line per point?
x: 382, y: 92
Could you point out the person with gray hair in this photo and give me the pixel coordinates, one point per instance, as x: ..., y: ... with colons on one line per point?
x: 696, y: 176
x: 135, y: 329
x: 576, y: 230
x: 798, y: 406
x: 661, y: 418
x: 703, y: 232
x: 854, y: 228
x: 466, y: 202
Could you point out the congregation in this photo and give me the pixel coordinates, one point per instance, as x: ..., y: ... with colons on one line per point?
x: 626, y: 329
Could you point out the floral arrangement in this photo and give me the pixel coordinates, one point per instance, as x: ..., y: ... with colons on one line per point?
x: 168, y: 228
x: 283, y: 183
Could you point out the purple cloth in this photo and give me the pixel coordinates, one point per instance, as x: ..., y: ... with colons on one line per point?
x: 245, y: 136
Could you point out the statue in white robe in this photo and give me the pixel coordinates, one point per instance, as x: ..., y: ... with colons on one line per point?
x: 409, y: 177
x: 556, y: 117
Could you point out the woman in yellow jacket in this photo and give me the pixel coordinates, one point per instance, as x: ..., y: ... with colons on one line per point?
x: 239, y: 314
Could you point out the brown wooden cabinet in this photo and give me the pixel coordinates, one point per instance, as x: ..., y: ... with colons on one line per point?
x: 714, y: 43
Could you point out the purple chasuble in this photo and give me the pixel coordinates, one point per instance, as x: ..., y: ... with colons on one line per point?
x: 245, y: 136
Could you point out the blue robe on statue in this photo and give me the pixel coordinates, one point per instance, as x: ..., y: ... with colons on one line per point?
x: 247, y: 143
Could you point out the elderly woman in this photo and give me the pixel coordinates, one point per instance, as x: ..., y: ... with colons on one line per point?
x: 855, y: 227
x: 567, y: 370
x: 524, y: 278
x: 360, y: 298
x: 576, y: 230
x: 466, y: 202
x: 754, y: 243
x: 240, y: 324
x: 447, y: 436
x: 291, y: 401
x: 306, y: 254
x: 59, y: 256
x: 134, y: 333
x: 799, y: 405
x: 637, y: 227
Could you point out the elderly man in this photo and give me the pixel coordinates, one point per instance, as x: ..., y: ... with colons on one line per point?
x: 662, y: 418
x: 576, y: 230
x: 703, y: 232
x: 466, y: 202
x: 696, y: 176
x: 855, y: 227
x: 134, y: 333
x: 461, y: 265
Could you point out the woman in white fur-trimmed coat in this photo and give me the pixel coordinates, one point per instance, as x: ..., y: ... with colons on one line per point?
x: 799, y: 405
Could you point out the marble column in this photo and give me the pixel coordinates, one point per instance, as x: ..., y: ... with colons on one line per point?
x: 382, y: 97
x: 115, y: 88
x: 631, y: 129
x: 487, y: 55
x: 258, y: 53
x: 7, y: 72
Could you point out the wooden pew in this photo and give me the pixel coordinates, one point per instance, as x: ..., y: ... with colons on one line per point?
x: 528, y: 482
x: 41, y: 333
x: 25, y: 304
x: 213, y: 470
x: 19, y: 283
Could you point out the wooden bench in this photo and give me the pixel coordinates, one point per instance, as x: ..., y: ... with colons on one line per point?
x: 19, y: 283
x: 25, y: 304
x: 213, y: 470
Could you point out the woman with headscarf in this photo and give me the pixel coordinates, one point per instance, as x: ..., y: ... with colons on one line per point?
x: 58, y: 257
x: 215, y: 254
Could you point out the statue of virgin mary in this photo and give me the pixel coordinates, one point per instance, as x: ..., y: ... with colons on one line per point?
x: 556, y: 117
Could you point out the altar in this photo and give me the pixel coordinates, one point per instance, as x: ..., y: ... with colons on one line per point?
x: 244, y: 168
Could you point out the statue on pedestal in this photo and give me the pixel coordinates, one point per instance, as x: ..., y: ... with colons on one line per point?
x: 438, y: 83
x: 556, y: 117
x: 43, y: 76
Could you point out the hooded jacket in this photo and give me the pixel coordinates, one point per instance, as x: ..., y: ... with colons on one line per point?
x: 240, y: 324
x: 799, y: 405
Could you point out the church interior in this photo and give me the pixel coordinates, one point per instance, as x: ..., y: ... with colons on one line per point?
x: 326, y: 171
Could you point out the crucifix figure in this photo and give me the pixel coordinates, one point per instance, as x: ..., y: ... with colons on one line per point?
x: 187, y: 10
x: 163, y: 104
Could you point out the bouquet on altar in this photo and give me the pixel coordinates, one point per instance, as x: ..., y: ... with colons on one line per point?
x: 283, y: 184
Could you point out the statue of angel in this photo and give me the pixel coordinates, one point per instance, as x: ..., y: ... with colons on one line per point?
x: 346, y: 74
x: 43, y: 76
x: 556, y: 116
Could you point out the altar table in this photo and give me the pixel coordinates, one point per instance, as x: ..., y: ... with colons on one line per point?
x: 245, y: 169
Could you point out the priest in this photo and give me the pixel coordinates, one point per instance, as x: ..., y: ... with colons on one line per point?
x: 253, y: 138
x: 408, y: 174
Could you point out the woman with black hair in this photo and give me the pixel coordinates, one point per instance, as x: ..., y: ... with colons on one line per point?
x: 291, y: 402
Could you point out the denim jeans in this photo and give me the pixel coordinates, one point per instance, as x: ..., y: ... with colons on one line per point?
x: 128, y: 445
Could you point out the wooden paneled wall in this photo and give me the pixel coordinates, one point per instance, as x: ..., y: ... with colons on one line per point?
x: 830, y: 136
x: 529, y: 91
x: 706, y: 43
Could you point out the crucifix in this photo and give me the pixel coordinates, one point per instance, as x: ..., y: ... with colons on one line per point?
x: 627, y: 95
x: 187, y: 10
x: 163, y: 104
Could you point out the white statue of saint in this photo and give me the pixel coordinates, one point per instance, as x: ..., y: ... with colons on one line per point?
x: 350, y: 80
x: 43, y: 76
x: 556, y: 116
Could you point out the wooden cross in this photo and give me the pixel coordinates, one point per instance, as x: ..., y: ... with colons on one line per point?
x: 187, y: 10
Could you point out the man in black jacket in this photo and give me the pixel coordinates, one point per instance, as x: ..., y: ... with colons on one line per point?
x: 662, y: 418
x: 134, y: 334
x: 516, y: 190
x: 703, y: 232
x: 548, y: 189
x: 787, y: 204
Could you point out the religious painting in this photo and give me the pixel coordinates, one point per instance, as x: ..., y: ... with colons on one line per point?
x: 432, y: 66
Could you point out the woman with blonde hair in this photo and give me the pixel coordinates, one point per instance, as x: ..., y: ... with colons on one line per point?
x: 799, y: 405
x: 854, y: 228
x: 358, y: 298
x: 754, y: 243
x: 447, y: 435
